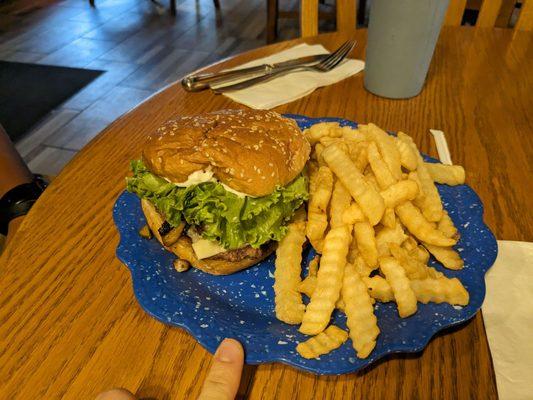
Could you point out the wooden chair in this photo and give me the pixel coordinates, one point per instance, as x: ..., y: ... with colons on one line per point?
x: 346, y: 11
x: 309, y: 14
x: 492, y: 13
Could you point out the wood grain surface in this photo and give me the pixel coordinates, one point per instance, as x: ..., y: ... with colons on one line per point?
x: 70, y: 326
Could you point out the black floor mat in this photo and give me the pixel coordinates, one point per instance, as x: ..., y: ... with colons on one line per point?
x: 30, y: 91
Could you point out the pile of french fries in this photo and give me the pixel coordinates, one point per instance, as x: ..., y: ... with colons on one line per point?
x: 374, y: 216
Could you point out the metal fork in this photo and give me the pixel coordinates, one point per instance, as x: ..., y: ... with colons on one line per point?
x: 325, y: 65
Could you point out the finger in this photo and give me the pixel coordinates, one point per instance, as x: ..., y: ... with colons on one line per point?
x: 222, y: 381
x: 116, y: 394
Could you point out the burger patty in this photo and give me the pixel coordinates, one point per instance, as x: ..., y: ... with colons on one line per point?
x: 244, y: 252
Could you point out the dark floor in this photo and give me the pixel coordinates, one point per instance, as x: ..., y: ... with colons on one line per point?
x: 140, y: 46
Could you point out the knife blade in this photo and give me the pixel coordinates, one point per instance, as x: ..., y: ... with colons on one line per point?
x: 195, y: 83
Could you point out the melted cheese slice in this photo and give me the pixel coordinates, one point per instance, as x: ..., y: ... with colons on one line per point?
x: 206, y: 248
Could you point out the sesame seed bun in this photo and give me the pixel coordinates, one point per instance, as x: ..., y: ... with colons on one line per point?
x: 251, y: 151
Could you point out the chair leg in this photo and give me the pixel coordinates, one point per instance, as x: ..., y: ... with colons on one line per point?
x: 173, y: 7
x: 91, y: 2
x: 217, y: 4
x: 272, y: 21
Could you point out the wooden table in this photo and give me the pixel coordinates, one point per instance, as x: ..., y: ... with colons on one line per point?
x: 70, y: 326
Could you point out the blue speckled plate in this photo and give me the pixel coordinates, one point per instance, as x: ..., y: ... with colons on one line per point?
x: 241, y: 305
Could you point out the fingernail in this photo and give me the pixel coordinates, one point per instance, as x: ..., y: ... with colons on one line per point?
x: 228, y: 351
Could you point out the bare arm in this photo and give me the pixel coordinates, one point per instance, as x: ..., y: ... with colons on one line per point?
x: 13, y: 172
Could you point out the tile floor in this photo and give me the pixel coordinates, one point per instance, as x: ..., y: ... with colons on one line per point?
x: 140, y: 46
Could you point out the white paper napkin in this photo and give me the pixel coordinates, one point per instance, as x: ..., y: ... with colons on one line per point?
x: 293, y: 86
x: 508, y: 315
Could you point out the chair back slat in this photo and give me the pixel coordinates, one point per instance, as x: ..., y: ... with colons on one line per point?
x: 454, y: 15
x: 491, y: 13
x: 525, y: 18
x: 308, y: 18
x: 488, y: 13
x: 346, y: 16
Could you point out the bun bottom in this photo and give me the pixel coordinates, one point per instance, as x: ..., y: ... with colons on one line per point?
x: 183, y: 248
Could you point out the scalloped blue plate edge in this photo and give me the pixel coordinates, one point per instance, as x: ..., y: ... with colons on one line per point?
x: 398, y: 349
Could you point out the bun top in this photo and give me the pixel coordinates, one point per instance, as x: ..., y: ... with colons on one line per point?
x: 252, y: 151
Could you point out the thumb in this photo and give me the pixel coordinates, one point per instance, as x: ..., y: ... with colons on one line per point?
x: 222, y: 381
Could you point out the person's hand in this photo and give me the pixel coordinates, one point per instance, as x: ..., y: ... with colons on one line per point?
x: 221, y: 383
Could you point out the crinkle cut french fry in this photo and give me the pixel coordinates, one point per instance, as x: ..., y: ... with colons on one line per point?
x: 371, y: 180
x: 358, y: 154
x: 352, y: 134
x: 353, y: 214
x: 420, y: 253
x: 367, y: 197
x: 326, y: 140
x: 329, y: 282
x: 332, y: 338
x: 430, y: 203
x: 389, y: 218
x: 441, y: 290
x: 311, y: 168
x: 340, y: 201
x: 446, y: 174
x: 380, y: 169
x: 317, y: 153
x: 399, y: 192
x: 313, y: 266
x: 308, y: 285
x: 366, y: 242
x: 410, y: 243
x: 379, y: 288
x: 414, y: 221
x: 361, y: 266
x: 447, y: 256
x: 387, y: 148
x: 353, y: 252
x: 386, y: 236
x: 361, y: 321
x: 407, y: 155
x: 433, y: 273
x: 315, y: 132
x: 414, y: 269
x: 289, y: 306
x: 320, y: 188
x: 339, y: 305
x: 447, y: 227
x: 395, y: 276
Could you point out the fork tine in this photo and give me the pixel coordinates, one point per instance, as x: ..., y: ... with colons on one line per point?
x: 334, y: 54
x: 341, y: 55
x: 346, y: 48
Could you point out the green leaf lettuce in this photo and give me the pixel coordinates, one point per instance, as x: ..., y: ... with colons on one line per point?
x: 225, y: 217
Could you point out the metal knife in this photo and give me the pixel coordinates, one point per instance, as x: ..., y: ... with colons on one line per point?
x: 196, y: 83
